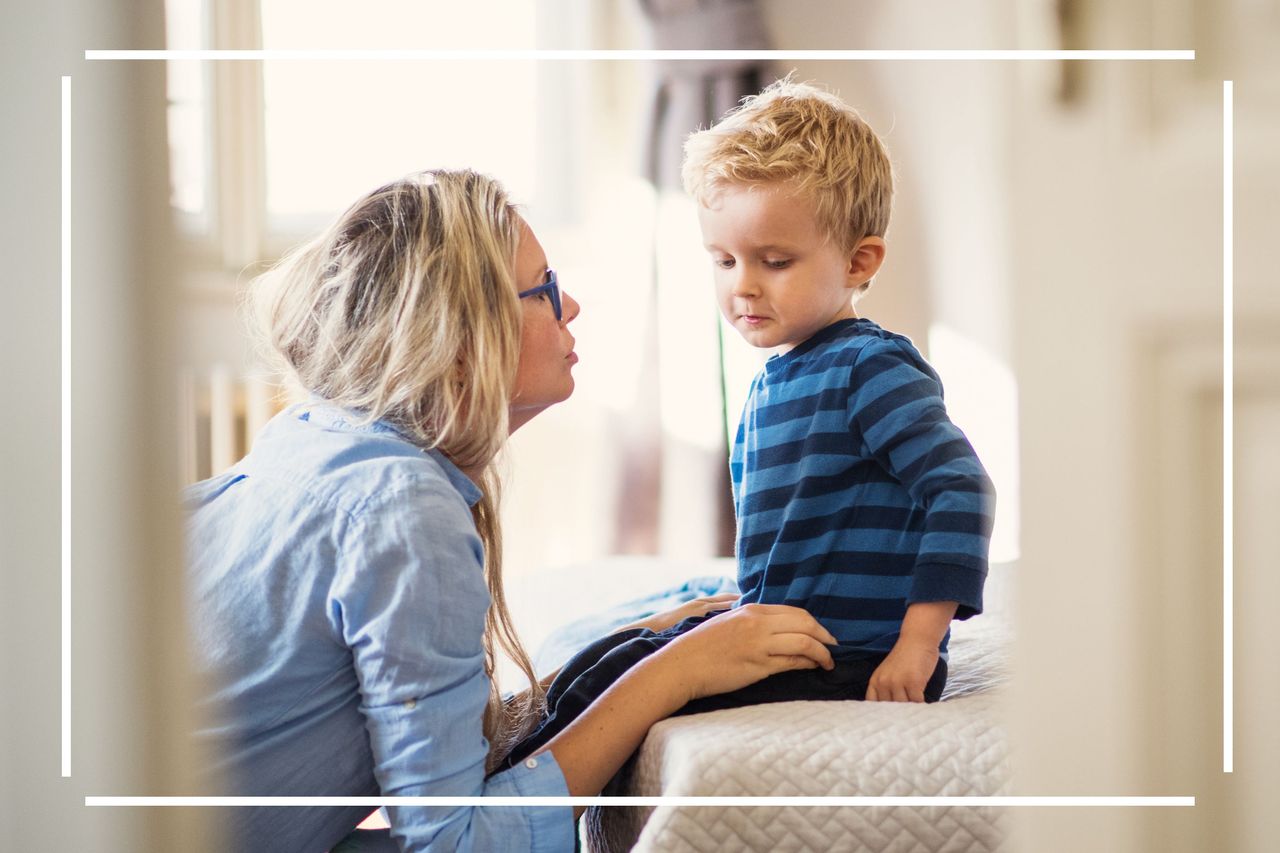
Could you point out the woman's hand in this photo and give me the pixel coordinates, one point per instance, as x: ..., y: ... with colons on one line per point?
x: 743, y: 646
x: 722, y: 654
x: 696, y: 607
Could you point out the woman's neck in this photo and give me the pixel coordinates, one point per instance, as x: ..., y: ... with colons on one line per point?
x: 517, y: 418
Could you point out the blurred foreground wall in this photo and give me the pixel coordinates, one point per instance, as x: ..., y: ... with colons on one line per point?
x: 126, y: 667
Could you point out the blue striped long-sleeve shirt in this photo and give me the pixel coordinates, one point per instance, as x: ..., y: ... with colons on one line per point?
x: 855, y: 494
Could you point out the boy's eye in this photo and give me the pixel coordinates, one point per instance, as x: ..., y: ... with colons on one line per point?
x: 779, y: 264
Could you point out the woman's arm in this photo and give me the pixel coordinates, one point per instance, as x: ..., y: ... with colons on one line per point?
x: 660, y: 621
x: 720, y: 655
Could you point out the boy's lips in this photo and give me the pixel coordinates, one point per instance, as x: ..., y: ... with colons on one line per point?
x: 752, y: 319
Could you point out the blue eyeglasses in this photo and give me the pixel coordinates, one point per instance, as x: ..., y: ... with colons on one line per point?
x: 552, y: 288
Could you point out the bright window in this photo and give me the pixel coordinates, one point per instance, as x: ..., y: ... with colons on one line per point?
x: 335, y: 130
x: 188, y: 124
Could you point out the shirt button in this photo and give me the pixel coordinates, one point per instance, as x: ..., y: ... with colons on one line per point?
x: 410, y: 704
x: 531, y: 763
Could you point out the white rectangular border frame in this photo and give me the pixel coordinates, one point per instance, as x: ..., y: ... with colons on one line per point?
x: 522, y: 802
x: 636, y: 55
x: 1228, y: 419
x: 66, y: 427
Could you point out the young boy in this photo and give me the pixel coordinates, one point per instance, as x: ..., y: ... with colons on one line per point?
x: 857, y: 499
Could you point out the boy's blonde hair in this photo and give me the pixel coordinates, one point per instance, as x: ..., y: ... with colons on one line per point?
x: 405, y: 310
x: 808, y: 138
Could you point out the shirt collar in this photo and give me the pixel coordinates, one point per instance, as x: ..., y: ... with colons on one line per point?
x: 827, y: 333
x: 469, y: 490
x: 328, y: 416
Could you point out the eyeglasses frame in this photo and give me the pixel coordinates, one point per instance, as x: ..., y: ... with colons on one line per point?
x: 550, y: 286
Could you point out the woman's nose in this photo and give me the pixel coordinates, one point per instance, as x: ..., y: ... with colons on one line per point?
x: 570, y: 307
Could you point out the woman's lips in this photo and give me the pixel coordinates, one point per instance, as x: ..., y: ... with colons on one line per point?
x: 572, y: 358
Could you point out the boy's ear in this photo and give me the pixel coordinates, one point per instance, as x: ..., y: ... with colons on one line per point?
x: 865, y: 260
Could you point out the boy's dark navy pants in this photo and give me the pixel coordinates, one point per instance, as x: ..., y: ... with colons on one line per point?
x: 591, y: 671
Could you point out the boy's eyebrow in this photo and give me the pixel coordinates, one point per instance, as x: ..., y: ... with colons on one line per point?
x: 767, y: 247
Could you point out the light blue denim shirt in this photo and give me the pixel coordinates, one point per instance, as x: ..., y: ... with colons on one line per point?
x: 338, y: 604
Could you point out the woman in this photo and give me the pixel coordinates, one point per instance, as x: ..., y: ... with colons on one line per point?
x: 347, y: 574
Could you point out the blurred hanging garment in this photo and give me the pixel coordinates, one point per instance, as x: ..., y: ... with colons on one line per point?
x: 688, y: 94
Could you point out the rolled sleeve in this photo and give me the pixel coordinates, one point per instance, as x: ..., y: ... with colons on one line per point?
x: 537, y: 776
x: 498, y: 827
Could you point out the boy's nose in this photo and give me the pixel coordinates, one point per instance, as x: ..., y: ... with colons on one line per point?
x: 744, y: 285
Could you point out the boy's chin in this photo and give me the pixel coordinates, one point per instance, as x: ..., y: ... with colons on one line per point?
x: 766, y: 339
x: 765, y: 343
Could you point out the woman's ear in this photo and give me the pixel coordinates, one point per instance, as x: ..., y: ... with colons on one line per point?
x: 865, y: 260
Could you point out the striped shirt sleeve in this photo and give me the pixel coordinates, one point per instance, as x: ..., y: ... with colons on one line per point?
x: 896, y: 413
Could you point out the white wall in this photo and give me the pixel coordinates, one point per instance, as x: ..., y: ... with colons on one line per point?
x: 1117, y: 315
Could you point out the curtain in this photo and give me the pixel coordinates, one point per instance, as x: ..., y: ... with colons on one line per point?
x: 689, y: 94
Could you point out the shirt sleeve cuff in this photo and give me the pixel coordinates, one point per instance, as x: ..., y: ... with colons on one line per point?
x: 552, y: 828
x: 939, y: 582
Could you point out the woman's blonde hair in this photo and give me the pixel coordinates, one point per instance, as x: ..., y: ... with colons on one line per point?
x: 405, y: 310
x: 808, y: 138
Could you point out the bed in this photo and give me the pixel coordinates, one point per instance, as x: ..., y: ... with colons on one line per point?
x: 955, y: 747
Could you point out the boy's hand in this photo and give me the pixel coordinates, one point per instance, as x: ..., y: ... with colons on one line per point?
x: 902, y: 676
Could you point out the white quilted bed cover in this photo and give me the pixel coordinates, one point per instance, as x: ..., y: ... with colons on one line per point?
x: 955, y: 747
